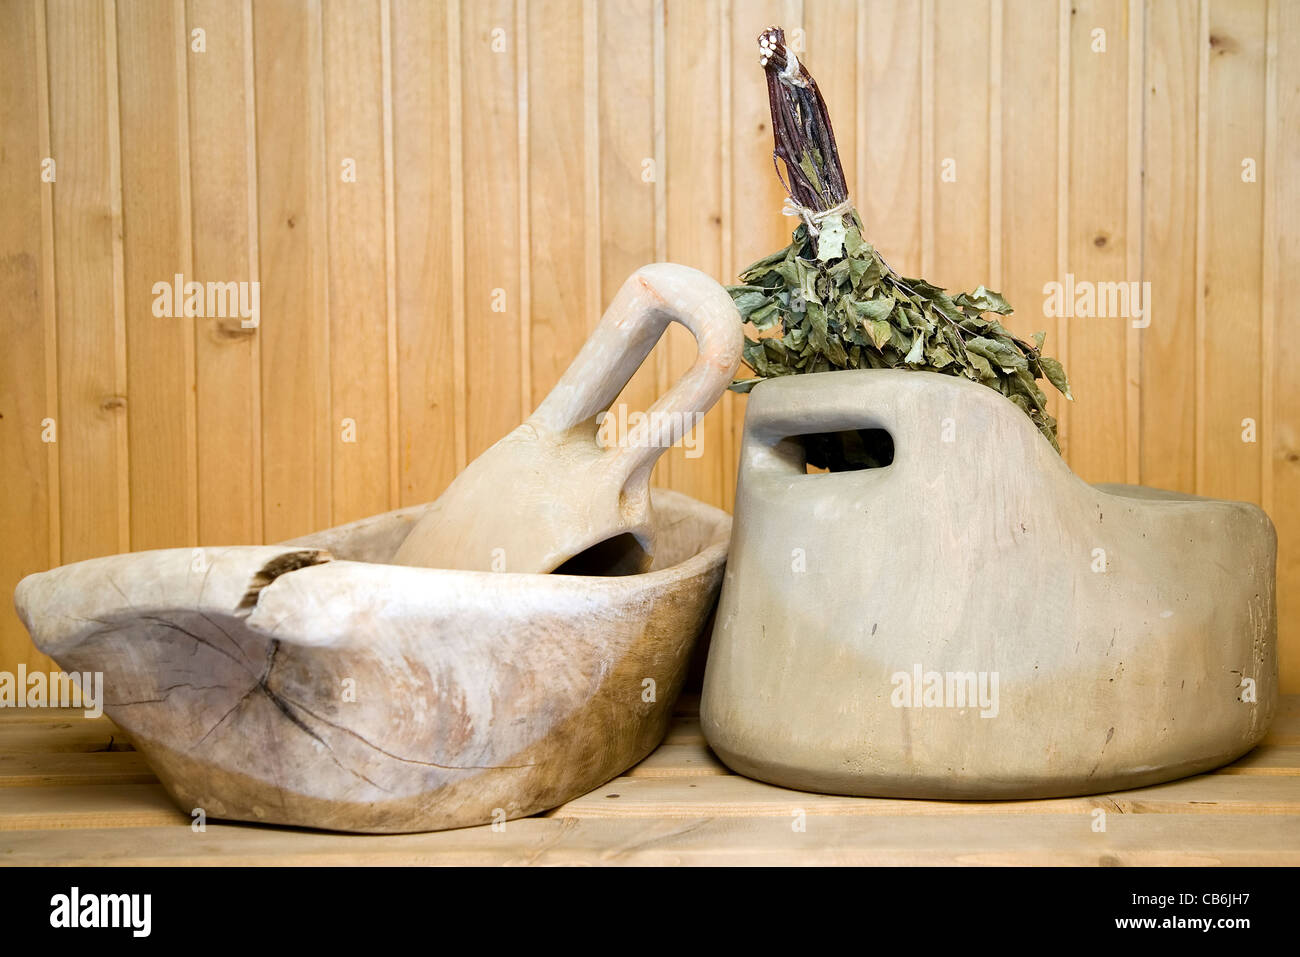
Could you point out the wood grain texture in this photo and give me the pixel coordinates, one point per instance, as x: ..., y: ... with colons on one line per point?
x: 561, y: 312
x: 482, y: 739
x: 28, y: 463
x: 793, y: 694
x: 1231, y: 377
x: 1094, y: 437
x: 960, y: 114
x: 888, y: 174
x: 1168, y: 431
x: 223, y: 191
x: 60, y: 805
x: 1130, y: 840
x: 521, y: 170
x: 71, y: 732
x: 296, y: 415
x: 356, y: 264
x: 157, y: 244
x: 1282, y: 457
x: 752, y: 194
x: 831, y: 41
x: 629, y: 168
x: 92, y: 418
x: 71, y: 770
x: 1028, y: 151
x: 488, y: 112
x: 426, y: 382
x: 693, y: 180
x: 682, y: 795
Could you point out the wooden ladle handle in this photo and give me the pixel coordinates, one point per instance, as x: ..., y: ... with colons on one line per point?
x: 648, y: 301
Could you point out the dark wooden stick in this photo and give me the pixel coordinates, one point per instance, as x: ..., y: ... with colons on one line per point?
x: 801, y: 127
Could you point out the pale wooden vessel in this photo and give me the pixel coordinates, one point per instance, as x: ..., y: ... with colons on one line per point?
x: 1132, y: 632
x: 327, y: 682
x: 311, y: 684
x: 549, y: 492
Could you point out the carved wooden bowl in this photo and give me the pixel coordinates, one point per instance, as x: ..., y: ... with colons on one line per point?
x: 973, y: 620
x: 312, y: 684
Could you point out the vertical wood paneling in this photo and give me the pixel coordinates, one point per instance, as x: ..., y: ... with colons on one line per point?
x: 960, y: 227
x: 92, y: 415
x: 729, y: 407
x: 591, y: 158
x: 755, y: 195
x: 425, y: 285
x: 1268, y: 264
x: 559, y: 201
x: 226, y: 351
x: 500, y: 146
x: 693, y: 175
x: 1027, y: 151
x: 294, y: 330
x: 887, y: 189
x: 25, y: 472
x: 394, y: 466
x: 489, y: 116
x: 995, y: 144
x: 663, y: 475
x: 1283, y: 457
x: 1136, y: 22
x: 1233, y: 258
x: 456, y: 191
x: 929, y: 163
x: 627, y: 163
x: 831, y: 42
x: 1168, y: 426
x: 1064, y: 28
x: 524, y: 220
x: 49, y: 307
x: 155, y: 209
x: 357, y: 271
x: 1095, y: 438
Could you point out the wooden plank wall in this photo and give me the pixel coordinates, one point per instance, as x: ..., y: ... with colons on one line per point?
x: 438, y: 196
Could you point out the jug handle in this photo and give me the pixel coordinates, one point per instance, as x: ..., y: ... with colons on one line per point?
x: 780, y: 411
x: 647, y: 302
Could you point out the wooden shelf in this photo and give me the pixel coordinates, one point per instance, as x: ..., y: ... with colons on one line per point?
x: 73, y: 791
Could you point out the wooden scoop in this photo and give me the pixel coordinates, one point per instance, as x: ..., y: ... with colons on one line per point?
x: 550, y: 492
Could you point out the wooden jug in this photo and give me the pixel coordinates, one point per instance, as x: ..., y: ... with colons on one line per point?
x: 972, y: 620
x: 548, y: 492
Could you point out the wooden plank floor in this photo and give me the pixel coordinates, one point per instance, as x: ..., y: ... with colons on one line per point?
x: 74, y: 791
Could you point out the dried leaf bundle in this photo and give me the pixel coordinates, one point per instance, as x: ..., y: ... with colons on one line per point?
x: 834, y: 301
